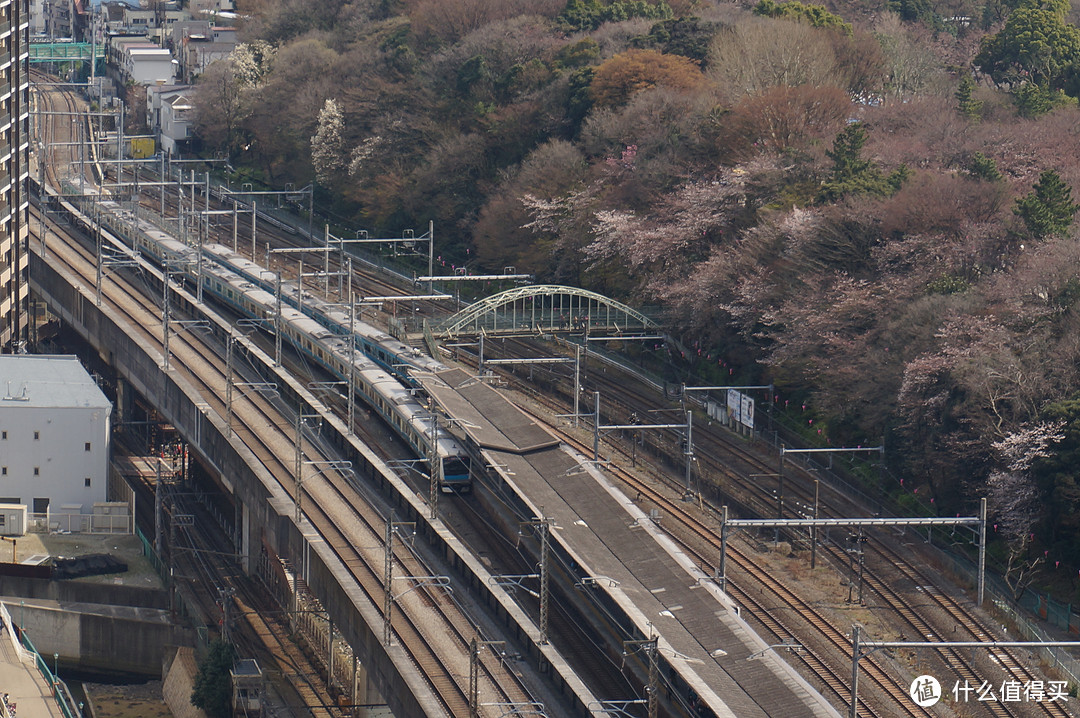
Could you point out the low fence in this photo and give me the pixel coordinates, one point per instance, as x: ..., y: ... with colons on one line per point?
x: 1053, y: 612
x: 60, y: 692
x: 1021, y: 614
x: 78, y: 523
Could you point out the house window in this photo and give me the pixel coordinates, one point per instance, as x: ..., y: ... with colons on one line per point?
x: 86, y: 446
x: 37, y: 435
x: 3, y: 471
x: 37, y: 471
x: 3, y: 435
x: 88, y: 483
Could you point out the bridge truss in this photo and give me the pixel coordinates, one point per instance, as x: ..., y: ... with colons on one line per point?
x: 548, y: 309
x: 65, y: 51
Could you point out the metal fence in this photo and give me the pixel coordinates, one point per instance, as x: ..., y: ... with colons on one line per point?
x: 78, y: 523
x: 60, y: 691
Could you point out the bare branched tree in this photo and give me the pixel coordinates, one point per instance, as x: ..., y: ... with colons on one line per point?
x: 1014, y: 501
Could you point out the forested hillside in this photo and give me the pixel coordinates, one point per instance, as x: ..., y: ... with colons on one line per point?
x: 867, y: 203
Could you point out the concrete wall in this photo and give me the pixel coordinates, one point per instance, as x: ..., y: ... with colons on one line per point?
x: 93, y: 636
x: 49, y: 590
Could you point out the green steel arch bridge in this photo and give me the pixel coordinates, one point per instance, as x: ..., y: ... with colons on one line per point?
x: 548, y: 309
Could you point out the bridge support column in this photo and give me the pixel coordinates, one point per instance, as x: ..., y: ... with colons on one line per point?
x: 124, y: 399
x: 241, y: 529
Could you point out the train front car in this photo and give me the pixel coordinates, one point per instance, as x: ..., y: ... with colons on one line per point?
x: 456, y: 467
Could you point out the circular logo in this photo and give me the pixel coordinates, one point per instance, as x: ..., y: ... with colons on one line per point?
x: 925, y: 691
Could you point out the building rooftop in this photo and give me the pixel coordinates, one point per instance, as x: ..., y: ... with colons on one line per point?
x: 246, y: 667
x: 47, y: 381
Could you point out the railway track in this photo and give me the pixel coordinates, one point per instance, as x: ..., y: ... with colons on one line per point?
x: 423, y: 637
x: 200, y: 558
x: 756, y: 496
x: 959, y: 617
x: 840, y: 642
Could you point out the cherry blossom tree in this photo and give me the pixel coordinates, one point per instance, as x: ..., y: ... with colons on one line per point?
x: 1015, y: 501
x: 328, y: 143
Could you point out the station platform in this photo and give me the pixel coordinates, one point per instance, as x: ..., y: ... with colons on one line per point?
x: 490, y: 421
x: 621, y: 552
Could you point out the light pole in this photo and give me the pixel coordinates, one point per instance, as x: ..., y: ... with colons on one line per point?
x: 649, y: 648
x: 474, y: 672
x: 388, y: 573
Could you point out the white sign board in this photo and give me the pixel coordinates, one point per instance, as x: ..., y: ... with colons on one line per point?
x: 746, y: 416
x: 734, y: 404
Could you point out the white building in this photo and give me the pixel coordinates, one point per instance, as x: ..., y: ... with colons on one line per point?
x: 169, y: 114
x: 54, y: 435
x: 148, y: 65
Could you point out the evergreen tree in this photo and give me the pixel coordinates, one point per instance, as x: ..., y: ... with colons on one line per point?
x: 851, y: 173
x: 1036, y: 46
x: 1032, y: 100
x: 967, y: 105
x: 898, y: 177
x: 1048, y: 209
x: 813, y: 15
x: 985, y: 168
x: 912, y: 10
x: 584, y: 15
x: 213, y: 685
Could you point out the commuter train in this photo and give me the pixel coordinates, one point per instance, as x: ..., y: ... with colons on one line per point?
x: 245, y: 292
x: 391, y: 354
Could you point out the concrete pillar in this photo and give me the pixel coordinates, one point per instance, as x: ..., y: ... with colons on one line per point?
x: 124, y: 397
x: 244, y: 530
x: 366, y: 693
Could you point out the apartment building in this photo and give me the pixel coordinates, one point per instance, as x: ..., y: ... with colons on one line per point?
x: 14, y: 155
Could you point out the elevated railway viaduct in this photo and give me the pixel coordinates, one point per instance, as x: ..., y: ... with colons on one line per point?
x: 264, y: 511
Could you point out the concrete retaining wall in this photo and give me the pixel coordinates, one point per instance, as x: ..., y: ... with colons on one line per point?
x: 37, y: 588
x: 179, y: 683
x: 96, y: 637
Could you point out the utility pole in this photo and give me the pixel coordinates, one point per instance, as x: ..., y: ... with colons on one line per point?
x: 474, y: 673
x: 814, y: 529
x: 650, y: 647
x: 544, y: 525
x: 254, y: 217
x: 228, y: 383
x: 689, y: 495
x: 577, y: 384
x: 721, y: 571
x: 157, y: 510
x: 277, y: 324
x: 388, y: 574
x: 165, y: 312
x: 856, y: 654
x: 435, y: 467
x: 352, y: 353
